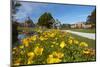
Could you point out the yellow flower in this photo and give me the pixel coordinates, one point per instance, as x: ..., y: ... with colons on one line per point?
x: 83, y: 44
x: 38, y: 51
x: 70, y: 41
x: 90, y: 52
x: 41, y: 38
x: 57, y: 54
x: 60, y: 55
x: 51, y: 56
x: 76, y: 42
x: 52, y: 45
x: 54, y: 42
x: 52, y: 35
x: 86, y: 52
x: 22, y: 52
x: 31, y: 54
x: 62, y: 44
x: 25, y: 42
x: 39, y: 30
x: 56, y: 38
x: 53, y: 60
x: 29, y: 62
x: 34, y: 37
x: 57, y: 43
x: 21, y: 46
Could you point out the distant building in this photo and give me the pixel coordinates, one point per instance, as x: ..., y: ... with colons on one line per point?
x: 80, y: 25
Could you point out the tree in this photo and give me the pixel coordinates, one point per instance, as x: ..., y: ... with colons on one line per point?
x: 57, y: 23
x: 15, y: 6
x: 46, y: 20
x: 14, y: 32
x: 91, y: 19
x: 29, y: 22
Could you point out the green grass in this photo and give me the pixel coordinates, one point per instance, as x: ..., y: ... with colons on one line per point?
x: 84, y: 30
x: 90, y: 42
x: 25, y: 28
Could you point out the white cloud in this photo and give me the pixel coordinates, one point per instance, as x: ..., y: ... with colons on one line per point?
x: 27, y: 8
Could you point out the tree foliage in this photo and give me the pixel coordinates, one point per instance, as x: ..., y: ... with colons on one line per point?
x: 30, y: 22
x: 15, y: 6
x: 46, y: 20
x: 56, y: 24
x: 14, y: 32
x: 91, y: 19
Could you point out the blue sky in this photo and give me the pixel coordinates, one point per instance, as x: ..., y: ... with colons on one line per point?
x: 67, y: 14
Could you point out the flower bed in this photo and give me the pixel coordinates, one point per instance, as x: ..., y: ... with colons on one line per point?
x: 49, y: 47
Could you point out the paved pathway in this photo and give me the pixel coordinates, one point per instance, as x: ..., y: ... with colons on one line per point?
x: 87, y: 35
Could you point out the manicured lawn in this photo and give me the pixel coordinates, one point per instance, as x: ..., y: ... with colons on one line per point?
x: 90, y: 42
x: 85, y: 30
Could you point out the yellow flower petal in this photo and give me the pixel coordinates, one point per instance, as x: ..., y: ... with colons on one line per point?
x: 53, y: 60
x: 76, y: 42
x: 38, y: 51
x: 83, y: 44
x: 70, y: 41
x: 21, y: 46
x: 30, y: 54
x: 29, y: 62
x: 62, y: 44
x: 34, y: 37
x: 52, y: 45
